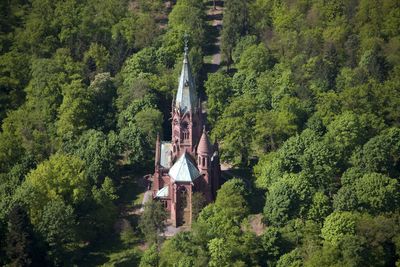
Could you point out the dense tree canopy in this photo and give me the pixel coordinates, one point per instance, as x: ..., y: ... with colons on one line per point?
x: 311, y: 94
x: 306, y: 106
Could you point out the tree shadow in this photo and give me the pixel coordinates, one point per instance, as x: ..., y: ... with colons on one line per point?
x: 211, y: 68
x: 214, y: 17
x: 217, y: 3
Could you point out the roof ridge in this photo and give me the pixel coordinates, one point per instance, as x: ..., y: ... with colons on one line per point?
x: 184, y: 171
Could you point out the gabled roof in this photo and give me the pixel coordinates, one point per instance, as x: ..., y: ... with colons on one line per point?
x: 186, y: 96
x: 184, y: 170
x: 163, y: 192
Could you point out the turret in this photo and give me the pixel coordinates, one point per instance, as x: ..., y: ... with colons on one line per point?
x: 204, y: 153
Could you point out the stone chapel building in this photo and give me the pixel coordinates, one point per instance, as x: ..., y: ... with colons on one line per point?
x: 189, y: 162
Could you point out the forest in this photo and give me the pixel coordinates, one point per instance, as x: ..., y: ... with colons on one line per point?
x: 305, y: 107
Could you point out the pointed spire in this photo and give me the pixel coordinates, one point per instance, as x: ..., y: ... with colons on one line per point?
x: 186, y: 97
x: 204, y: 144
x: 185, y: 57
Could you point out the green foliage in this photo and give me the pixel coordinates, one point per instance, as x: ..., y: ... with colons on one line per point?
x: 219, y: 253
x: 103, y: 210
x: 61, y: 177
x: 311, y: 96
x: 271, y: 241
x: 273, y: 127
x: 232, y: 197
x: 291, y: 259
x: 377, y: 193
x: 256, y: 59
x: 188, y: 15
x: 127, y: 235
x: 150, y: 122
x: 218, y: 90
x: 235, y: 23
x: 57, y: 225
x: 379, y: 153
x: 281, y: 203
x: 320, y: 161
x: 99, y: 151
x: 244, y: 43
x: 198, y: 203
x: 337, y: 225
x: 223, y: 218
x: 102, y: 91
x: 183, y: 250
x: 96, y: 58
x: 218, y: 223
x: 150, y: 257
x: 367, y: 246
x: 320, y: 207
x: 134, y: 143
x: 14, y: 69
x: 21, y: 248
x: 372, y: 192
x: 268, y: 170
x: 234, y: 128
x: 152, y: 221
x: 74, y: 112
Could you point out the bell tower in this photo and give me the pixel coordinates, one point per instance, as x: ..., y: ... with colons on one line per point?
x: 186, y: 113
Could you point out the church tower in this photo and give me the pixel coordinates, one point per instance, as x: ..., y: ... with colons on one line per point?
x: 186, y: 113
x: 188, y: 163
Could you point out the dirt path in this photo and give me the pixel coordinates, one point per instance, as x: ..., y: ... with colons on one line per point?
x: 214, y: 18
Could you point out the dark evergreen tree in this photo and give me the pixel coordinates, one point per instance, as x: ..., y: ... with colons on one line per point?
x: 21, y: 245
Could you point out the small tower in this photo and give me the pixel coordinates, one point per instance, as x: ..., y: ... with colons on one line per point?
x: 204, y: 153
x: 186, y: 113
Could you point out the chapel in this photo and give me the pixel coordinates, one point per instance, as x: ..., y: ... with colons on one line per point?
x: 188, y: 163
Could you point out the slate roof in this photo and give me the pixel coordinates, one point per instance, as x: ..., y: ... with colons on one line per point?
x: 163, y: 192
x: 184, y: 170
x: 166, y: 148
x: 186, y: 97
x: 204, y: 144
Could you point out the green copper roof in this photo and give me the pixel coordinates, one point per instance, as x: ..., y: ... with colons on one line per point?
x: 184, y: 170
x: 186, y: 97
x: 163, y: 192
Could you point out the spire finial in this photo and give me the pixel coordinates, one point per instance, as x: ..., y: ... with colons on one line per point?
x: 204, y: 129
x: 186, y: 39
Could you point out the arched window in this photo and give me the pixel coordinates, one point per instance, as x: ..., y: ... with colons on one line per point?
x: 203, y: 162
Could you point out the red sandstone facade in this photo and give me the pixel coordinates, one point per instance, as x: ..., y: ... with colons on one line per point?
x: 188, y: 163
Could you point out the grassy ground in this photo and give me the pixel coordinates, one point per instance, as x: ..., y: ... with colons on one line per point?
x: 207, y: 59
x: 114, y: 249
x: 111, y: 251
